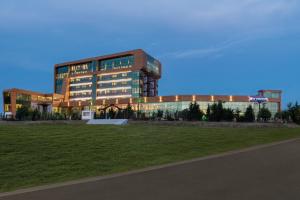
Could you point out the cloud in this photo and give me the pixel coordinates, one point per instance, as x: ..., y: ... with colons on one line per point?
x: 206, y: 52
x: 179, y: 15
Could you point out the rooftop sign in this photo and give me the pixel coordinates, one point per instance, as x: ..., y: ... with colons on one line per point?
x: 258, y: 99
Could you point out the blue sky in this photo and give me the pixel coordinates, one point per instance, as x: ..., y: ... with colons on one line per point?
x: 206, y: 47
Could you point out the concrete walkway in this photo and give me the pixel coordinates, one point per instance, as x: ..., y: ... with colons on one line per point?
x: 266, y: 172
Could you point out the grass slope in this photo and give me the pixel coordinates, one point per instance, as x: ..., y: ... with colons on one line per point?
x: 32, y: 155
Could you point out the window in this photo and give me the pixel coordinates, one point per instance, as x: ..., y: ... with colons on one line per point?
x: 117, y: 63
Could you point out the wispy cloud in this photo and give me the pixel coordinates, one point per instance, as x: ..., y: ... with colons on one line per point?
x: 180, y: 15
x: 206, y: 52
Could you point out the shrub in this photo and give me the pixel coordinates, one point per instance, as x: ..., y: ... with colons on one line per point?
x: 194, y: 112
x: 264, y: 114
x: 249, y: 115
x: 23, y: 113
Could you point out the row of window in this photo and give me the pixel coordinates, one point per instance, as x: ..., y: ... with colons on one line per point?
x: 114, y: 92
x: 113, y: 76
x: 81, y: 94
x: 81, y: 80
x: 81, y: 87
x: 114, y: 84
x: 117, y: 63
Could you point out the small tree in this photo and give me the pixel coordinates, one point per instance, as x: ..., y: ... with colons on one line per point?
x: 216, y: 112
x: 194, y: 112
x: 36, y: 115
x: 264, y: 114
x: 160, y: 114
x: 184, y: 114
x: 22, y: 113
x: 294, y: 112
x: 75, y: 115
x: 237, y: 115
x: 129, y: 112
x: 228, y: 115
x: 284, y: 116
x: 169, y: 116
x: 111, y: 113
x: 249, y: 114
x: 120, y: 114
x: 208, y: 112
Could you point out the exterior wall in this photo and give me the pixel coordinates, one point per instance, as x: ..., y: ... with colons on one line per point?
x: 178, y: 103
x: 34, y: 100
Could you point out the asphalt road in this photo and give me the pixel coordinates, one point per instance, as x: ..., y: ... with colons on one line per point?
x: 268, y: 173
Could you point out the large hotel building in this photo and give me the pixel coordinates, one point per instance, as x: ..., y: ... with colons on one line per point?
x: 120, y: 79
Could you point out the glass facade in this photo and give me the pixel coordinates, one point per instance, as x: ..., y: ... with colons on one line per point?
x: 173, y: 107
x: 23, y: 100
x: 81, y: 80
x: 152, y: 65
x: 7, y: 102
x: 61, y: 73
x: 87, y: 94
x: 111, y: 85
x: 80, y: 87
x: 269, y: 94
x: 122, y: 84
x: 136, y: 84
x: 117, y: 63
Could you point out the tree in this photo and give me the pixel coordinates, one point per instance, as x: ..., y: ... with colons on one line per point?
x: 120, y: 114
x: 228, y: 115
x: 264, y: 114
x: 208, y: 112
x: 183, y: 114
x: 249, y: 114
x: 237, y: 115
x: 216, y: 112
x: 169, y: 116
x: 22, y: 113
x: 194, y: 112
x: 294, y: 112
x: 160, y: 114
x: 111, y: 113
x: 36, y: 115
x: 176, y: 115
x: 284, y: 116
x: 129, y: 112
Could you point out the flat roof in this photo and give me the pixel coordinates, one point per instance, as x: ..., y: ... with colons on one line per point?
x: 104, y: 57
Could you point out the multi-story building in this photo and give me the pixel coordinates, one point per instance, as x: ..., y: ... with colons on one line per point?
x: 120, y: 79
x: 16, y: 98
x: 131, y: 74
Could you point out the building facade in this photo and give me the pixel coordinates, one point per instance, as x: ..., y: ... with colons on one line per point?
x: 131, y: 74
x: 118, y: 80
x: 16, y: 98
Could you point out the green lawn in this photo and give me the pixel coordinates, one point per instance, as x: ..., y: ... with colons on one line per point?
x: 32, y: 155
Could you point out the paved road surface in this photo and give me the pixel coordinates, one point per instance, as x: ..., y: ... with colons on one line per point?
x: 270, y: 173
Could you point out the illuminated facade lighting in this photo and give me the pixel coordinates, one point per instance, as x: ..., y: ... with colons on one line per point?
x: 160, y: 99
x: 194, y: 98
